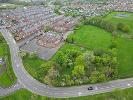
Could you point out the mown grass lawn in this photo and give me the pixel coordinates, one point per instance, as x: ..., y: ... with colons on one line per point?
x: 125, y: 58
x: 7, y: 78
x: 32, y: 65
x: 92, y: 37
x: 115, y: 95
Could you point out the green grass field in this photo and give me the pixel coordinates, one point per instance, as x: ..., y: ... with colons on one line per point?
x: 32, y: 65
x: 7, y: 78
x: 125, y: 58
x: 125, y: 54
x: 92, y: 37
x: 127, y: 20
x: 115, y: 95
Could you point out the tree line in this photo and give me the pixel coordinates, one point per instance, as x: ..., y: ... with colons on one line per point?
x: 107, y: 25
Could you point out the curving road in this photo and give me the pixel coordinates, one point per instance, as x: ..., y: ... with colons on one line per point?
x: 9, y: 90
x: 28, y: 82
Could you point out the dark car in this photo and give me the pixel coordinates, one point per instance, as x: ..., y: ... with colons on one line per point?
x: 90, y: 88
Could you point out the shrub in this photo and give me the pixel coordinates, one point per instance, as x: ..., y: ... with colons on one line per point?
x: 123, y: 27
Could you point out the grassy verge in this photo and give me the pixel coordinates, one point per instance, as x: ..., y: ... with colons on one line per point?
x: 115, y: 95
x: 7, y: 78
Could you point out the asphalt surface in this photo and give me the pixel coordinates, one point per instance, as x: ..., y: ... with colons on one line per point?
x: 9, y: 90
x: 28, y: 82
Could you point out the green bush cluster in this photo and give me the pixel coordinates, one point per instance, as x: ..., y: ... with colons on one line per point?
x: 74, y: 68
x: 99, y: 22
x: 123, y: 27
x: 107, y: 25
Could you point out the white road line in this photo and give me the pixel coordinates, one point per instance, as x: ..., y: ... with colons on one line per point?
x: 128, y: 84
x: 79, y: 93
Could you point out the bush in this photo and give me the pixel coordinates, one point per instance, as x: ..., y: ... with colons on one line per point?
x: 70, y: 40
x: 123, y: 27
x: 47, y: 29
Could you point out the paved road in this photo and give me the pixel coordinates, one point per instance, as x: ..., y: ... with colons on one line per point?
x: 28, y: 82
x: 9, y: 90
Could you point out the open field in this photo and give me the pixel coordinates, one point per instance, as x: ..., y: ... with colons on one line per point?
x: 128, y: 19
x: 7, y: 78
x: 92, y: 37
x: 116, y: 95
x: 125, y: 54
x: 125, y: 58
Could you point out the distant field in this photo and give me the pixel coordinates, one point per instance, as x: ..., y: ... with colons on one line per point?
x: 127, y: 20
x: 7, y: 78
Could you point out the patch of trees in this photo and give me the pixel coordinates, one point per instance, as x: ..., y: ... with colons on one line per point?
x: 57, y: 10
x: 74, y: 68
x: 47, y: 29
x: 107, y: 25
x: 123, y: 27
x: 99, y: 22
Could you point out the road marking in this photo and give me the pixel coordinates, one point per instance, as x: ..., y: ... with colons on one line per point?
x: 79, y: 93
x: 17, y: 65
x: 128, y: 84
x: 14, y: 42
x: 96, y: 88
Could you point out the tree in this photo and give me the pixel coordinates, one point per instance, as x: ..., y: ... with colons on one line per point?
x: 88, y: 58
x: 102, y: 77
x: 72, y: 54
x: 33, y: 55
x: 43, y: 69
x: 61, y: 59
x: 23, y: 54
x: 78, y: 71
x: 80, y: 60
x: 123, y: 27
x: 70, y: 39
x: 47, y: 29
x: 94, y: 77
